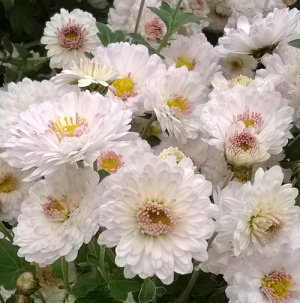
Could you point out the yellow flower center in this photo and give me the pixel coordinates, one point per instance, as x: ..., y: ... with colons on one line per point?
x: 179, y: 103
x: 124, y: 87
x: 68, y: 126
x: 182, y: 61
x: 249, y: 122
x: 56, y: 209
x: 110, y: 161
x: 172, y: 151
x: 240, y: 80
x: 72, y: 35
x: 7, y: 184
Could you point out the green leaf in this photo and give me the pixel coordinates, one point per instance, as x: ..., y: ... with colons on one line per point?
x: 8, y: 45
x: 163, y: 13
x: 11, y: 266
x: 95, y: 297
x: 295, y: 43
x: 56, y: 268
x: 7, y: 4
x: 148, y: 292
x: 103, y: 174
x: 292, y: 150
x: 138, y: 39
x: 85, y: 284
x: 160, y: 291
x: 107, y: 36
x: 186, y: 18
x: 22, y: 50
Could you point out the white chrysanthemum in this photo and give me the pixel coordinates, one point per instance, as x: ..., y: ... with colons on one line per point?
x: 134, y: 66
x: 262, y: 121
x: 76, y: 127
x: 259, y: 216
x: 68, y: 35
x: 17, y: 97
x: 235, y: 65
x: 176, y: 97
x: 285, y: 62
x: 113, y: 159
x: 263, y: 279
x: 59, y: 215
x: 13, y: 191
x: 88, y: 74
x: 195, y: 53
x: 158, y: 214
x: 261, y: 36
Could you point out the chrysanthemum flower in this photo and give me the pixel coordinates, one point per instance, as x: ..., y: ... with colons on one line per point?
x: 59, y: 216
x: 158, y: 215
x: 89, y: 74
x: 76, y: 127
x: 177, y: 97
x: 68, y: 35
x: 134, y: 66
x: 261, y: 36
x: 13, y: 191
x: 17, y: 97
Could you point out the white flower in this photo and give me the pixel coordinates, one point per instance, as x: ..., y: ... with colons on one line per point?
x: 158, y: 214
x: 59, y: 216
x: 13, y: 191
x: 76, y: 127
x: 134, y: 66
x: 285, y: 62
x: 265, y: 116
x: 262, y: 279
x: 68, y: 35
x: 176, y: 97
x: 17, y: 97
x: 194, y: 52
x: 261, y: 36
x: 88, y: 74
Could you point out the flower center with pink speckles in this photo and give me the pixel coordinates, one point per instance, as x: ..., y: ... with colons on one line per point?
x: 71, y: 36
x: 250, y: 119
x: 57, y: 210
x: 243, y: 142
x: 155, y: 219
x: 277, y: 286
x: 110, y: 161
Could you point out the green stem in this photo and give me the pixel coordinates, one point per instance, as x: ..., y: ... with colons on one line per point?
x: 110, y: 254
x: 211, y: 240
x: 5, y: 231
x: 148, y: 125
x: 184, y: 295
x: 228, y: 178
x: 170, y: 30
x: 65, y: 271
x: 1, y: 299
x: 101, y: 263
x: 138, y: 19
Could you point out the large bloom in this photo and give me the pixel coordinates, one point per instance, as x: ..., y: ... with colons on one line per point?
x: 261, y: 36
x: 177, y: 97
x: 59, y: 215
x: 76, y: 127
x: 68, y: 35
x: 158, y: 214
x: 134, y: 66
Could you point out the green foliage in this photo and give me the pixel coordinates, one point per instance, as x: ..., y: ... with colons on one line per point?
x: 85, y: 284
x: 148, y: 292
x: 107, y: 36
x: 295, y: 43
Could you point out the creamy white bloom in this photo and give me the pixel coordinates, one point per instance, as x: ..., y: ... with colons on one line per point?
x: 262, y: 117
x: 158, y: 215
x: 88, y: 74
x: 194, y: 52
x: 59, y: 215
x: 76, y: 127
x: 263, y: 279
x: 261, y: 36
x: 177, y: 96
x: 13, y: 191
x: 17, y: 97
x: 68, y: 35
x: 285, y: 63
x: 134, y: 66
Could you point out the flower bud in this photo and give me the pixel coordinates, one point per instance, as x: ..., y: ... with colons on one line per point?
x: 27, y: 284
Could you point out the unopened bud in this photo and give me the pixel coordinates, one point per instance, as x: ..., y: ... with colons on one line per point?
x: 172, y: 151
x: 27, y: 284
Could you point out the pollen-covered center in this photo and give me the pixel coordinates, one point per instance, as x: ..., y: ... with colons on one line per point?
x: 182, y: 61
x: 154, y: 29
x: 68, y: 126
x: 277, y: 286
x: 71, y: 36
x: 155, y: 219
x: 250, y: 119
x: 243, y: 142
x: 7, y: 183
x: 110, y: 161
x: 55, y: 209
x: 265, y: 226
x: 123, y: 88
x: 179, y: 104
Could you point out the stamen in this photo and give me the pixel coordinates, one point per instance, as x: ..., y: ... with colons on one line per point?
x: 250, y: 119
x: 182, y: 61
x: 7, y: 183
x: 57, y: 210
x: 123, y: 88
x: 71, y: 36
x: 179, y: 105
x: 110, y: 161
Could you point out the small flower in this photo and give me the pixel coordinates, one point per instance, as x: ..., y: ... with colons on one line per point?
x: 68, y: 35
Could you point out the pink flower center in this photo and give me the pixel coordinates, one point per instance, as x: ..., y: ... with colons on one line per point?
x: 110, y: 161
x: 155, y: 219
x: 71, y: 36
x: 154, y: 29
x: 179, y: 105
x: 277, y: 286
x: 57, y: 210
x: 250, y: 119
x: 243, y: 142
